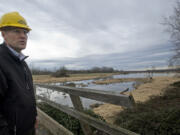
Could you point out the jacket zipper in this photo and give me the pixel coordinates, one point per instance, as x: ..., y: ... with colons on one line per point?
x: 26, y: 77
x: 15, y: 129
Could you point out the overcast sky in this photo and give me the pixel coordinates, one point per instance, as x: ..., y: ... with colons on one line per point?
x: 80, y: 34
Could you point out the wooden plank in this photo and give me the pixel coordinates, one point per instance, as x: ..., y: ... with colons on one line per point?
x: 99, y: 95
x: 108, y: 128
x: 54, y: 127
x: 78, y: 106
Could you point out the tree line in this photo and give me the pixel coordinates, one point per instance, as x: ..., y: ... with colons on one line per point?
x: 64, y: 72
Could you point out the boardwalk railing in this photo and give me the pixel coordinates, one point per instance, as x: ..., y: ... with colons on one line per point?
x: 86, y: 120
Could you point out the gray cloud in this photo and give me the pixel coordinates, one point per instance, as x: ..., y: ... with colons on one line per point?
x: 156, y: 56
x: 89, y: 33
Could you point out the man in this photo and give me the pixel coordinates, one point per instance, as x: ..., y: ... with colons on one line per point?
x: 17, y: 101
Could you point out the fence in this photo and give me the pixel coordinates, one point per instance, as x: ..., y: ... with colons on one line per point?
x: 85, y: 120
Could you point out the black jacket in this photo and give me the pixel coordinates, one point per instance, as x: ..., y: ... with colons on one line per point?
x: 17, y: 101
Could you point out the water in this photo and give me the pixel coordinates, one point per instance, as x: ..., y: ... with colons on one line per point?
x: 58, y: 97
x: 115, y: 87
x: 64, y: 99
x: 142, y: 75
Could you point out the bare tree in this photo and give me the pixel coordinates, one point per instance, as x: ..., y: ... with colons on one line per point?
x: 173, y: 23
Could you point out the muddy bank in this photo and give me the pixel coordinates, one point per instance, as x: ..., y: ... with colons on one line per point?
x: 142, y: 93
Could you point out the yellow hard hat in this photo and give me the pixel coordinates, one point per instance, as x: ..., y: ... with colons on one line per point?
x: 13, y: 19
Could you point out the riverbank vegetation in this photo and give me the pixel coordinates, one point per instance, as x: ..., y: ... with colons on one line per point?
x: 158, y: 103
x: 57, y: 72
x: 72, y: 77
x: 158, y: 115
x: 119, y: 80
x: 68, y: 121
x: 156, y: 112
x: 63, y: 69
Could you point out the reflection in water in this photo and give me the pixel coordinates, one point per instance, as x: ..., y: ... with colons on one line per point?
x: 58, y: 97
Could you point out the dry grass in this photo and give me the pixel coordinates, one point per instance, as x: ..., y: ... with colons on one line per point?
x: 118, y: 80
x: 108, y: 111
x: 156, y: 87
x: 141, y: 94
x: 73, y: 77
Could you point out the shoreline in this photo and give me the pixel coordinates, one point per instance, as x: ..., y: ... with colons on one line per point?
x: 148, y: 87
x: 73, y: 77
x: 120, y: 80
x: 143, y: 93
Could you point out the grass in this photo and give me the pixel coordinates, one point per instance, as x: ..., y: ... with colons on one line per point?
x: 119, y: 80
x: 73, y: 77
x: 87, y: 76
x: 91, y: 74
x: 160, y: 115
x: 68, y: 121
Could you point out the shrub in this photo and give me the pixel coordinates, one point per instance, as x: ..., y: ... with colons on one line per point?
x: 62, y: 72
x: 66, y: 120
x: 157, y: 116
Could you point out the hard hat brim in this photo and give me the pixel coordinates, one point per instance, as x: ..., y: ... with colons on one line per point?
x: 16, y: 25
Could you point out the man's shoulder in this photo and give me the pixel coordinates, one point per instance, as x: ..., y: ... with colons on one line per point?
x: 1, y: 49
x: 3, y: 52
x: 1, y: 46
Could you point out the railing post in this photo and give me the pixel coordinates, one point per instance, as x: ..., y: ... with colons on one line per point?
x: 34, y: 87
x: 132, y: 99
x: 35, y: 91
x: 78, y: 111
x: 78, y: 106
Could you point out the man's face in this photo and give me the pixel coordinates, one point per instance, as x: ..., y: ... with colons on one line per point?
x: 16, y: 38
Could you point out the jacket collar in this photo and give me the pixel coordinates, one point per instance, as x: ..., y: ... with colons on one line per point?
x: 19, y: 56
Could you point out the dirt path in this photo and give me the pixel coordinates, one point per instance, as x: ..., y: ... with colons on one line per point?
x: 142, y: 93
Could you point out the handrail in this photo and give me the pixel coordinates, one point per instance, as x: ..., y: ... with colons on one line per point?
x: 85, y: 120
x: 54, y: 127
x: 99, y: 95
x: 108, y: 128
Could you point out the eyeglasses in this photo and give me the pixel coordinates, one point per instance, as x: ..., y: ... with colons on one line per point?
x: 20, y: 31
